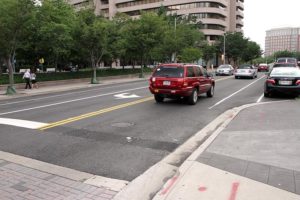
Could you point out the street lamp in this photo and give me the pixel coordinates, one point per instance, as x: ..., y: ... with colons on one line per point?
x: 224, y: 49
x: 175, y: 36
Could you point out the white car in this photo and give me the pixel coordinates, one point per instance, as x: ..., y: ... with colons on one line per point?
x: 224, y: 70
x: 246, y: 70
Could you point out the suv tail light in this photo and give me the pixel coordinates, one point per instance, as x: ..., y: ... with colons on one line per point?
x: 298, y: 82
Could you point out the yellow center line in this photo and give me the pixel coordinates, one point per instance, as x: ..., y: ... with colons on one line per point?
x: 99, y: 112
x: 91, y: 114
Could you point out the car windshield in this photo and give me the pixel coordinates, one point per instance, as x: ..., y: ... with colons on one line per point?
x: 284, y: 65
x: 245, y: 67
x: 169, y: 71
x: 286, y: 72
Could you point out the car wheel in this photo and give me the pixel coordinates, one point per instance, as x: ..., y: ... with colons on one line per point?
x: 266, y: 94
x: 193, y: 98
x: 158, y: 98
x: 211, y: 91
x: 236, y: 77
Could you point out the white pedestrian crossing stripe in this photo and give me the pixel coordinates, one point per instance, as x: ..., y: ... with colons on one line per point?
x: 22, y: 123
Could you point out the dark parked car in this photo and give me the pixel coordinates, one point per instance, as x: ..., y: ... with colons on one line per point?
x: 283, y: 80
x: 181, y: 81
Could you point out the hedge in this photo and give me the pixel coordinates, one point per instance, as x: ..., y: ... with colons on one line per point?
x: 4, y: 79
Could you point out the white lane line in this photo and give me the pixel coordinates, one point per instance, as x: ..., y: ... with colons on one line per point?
x: 260, y: 98
x: 58, y: 95
x: 22, y: 123
x: 74, y: 100
x: 235, y: 93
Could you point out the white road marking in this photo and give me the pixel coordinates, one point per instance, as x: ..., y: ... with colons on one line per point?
x: 260, y: 98
x: 58, y: 95
x: 235, y: 93
x: 22, y: 123
x: 74, y: 100
x: 126, y: 96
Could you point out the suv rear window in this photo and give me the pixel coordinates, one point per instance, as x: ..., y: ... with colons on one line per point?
x: 169, y: 71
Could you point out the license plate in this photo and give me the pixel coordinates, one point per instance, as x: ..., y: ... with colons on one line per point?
x: 166, y: 83
x: 285, y: 82
x: 156, y: 90
x: 242, y: 70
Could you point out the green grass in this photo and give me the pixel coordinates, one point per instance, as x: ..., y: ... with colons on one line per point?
x: 73, y: 75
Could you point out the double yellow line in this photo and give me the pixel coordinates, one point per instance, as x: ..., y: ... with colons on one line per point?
x: 91, y: 114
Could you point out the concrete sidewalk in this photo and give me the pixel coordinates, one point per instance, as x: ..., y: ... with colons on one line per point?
x: 67, y: 85
x: 254, y: 155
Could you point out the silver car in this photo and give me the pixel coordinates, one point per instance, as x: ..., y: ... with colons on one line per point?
x: 246, y: 70
x: 224, y: 70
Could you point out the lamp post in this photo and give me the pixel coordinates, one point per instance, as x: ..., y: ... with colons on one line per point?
x: 224, y: 50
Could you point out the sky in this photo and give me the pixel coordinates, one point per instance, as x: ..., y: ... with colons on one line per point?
x: 262, y: 15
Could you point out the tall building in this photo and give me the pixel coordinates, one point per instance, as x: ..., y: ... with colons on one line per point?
x: 282, y: 39
x: 217, y: 16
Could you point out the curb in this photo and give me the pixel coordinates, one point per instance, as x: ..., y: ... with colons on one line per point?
x: 225, y: 119
x: 185, y: 154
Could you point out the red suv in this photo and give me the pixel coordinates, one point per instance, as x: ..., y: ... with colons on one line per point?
x: 181, y: 80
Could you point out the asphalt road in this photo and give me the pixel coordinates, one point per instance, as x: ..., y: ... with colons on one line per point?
x: 116, y: 131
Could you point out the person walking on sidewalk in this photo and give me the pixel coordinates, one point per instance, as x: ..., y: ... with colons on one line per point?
x: 33, y: 80
x: 27, y: 77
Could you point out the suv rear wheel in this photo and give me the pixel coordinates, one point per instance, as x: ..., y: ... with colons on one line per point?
x: 193, y: 98
x: 211, y: 91
x: 158, y: 98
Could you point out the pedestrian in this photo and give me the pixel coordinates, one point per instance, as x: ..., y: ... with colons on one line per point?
x: 26, y: 77
x: 33, y: 80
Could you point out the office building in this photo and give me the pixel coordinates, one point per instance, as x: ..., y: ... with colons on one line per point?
x: 216, y: 16
x: 281, y: 39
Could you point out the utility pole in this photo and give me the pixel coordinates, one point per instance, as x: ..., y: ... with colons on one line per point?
x: 224, y: 51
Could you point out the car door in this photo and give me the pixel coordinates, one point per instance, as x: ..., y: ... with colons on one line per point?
x: 191, y: 77
x: 203, y: 87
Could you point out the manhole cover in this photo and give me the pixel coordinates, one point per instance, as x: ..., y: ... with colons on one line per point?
x: 122, y: 124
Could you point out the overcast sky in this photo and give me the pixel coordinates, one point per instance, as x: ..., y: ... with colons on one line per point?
x: 262, y: 15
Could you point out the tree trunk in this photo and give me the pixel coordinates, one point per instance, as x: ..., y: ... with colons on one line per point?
x: 10, y: 89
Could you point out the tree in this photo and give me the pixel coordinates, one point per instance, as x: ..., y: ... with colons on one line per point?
x: 190, y: 54
x: 285, y: 53
x: 14, y: 17
x: 209, y: 52
x: 55, y: 26
x: 251, y: 52
x: 95, y: 32
x: 141, y: 36
x: 234, y: 46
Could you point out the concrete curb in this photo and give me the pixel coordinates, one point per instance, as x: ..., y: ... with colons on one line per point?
x: 145, y: 187
x: 220, y: 123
